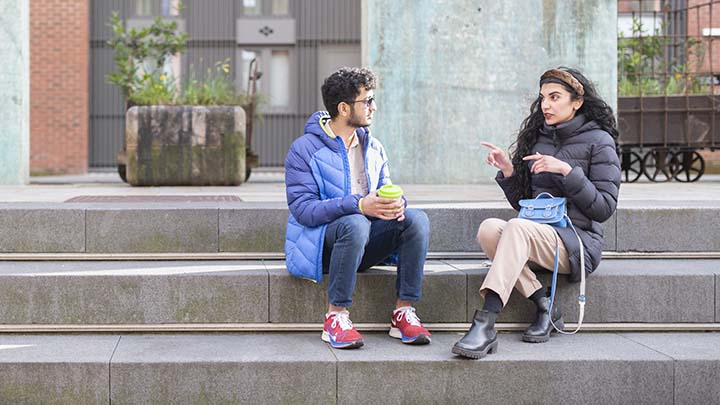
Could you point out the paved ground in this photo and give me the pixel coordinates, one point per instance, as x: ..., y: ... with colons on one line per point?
x: 267, y: 185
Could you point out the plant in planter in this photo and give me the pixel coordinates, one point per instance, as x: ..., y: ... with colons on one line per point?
x: 177, y: 133
x: 140, y: 54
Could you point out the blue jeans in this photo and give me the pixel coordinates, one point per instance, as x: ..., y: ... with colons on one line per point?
x: 355, y: 242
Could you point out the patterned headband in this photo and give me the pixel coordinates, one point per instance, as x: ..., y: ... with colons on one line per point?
x: 566, y: 78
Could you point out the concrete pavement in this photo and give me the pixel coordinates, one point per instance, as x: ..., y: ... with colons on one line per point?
x: 267, y: 185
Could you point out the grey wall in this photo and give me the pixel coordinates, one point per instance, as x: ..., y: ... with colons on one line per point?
x: 455, y: 72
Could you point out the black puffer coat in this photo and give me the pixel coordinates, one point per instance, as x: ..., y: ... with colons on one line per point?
x: 591, y: 188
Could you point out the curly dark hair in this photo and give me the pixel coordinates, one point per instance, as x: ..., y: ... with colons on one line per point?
x: 593, y: 108
x: 344, y: 85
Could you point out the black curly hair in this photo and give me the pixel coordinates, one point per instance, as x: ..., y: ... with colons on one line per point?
x: 593, y: 108
x: 344, y: 86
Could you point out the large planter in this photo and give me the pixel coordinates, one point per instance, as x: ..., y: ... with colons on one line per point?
x: 185, y: 145
x: 691, y: 121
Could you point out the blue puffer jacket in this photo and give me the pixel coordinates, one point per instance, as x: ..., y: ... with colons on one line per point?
x: 317, y: 183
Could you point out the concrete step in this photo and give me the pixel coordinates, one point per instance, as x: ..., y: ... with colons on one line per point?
x: 217, y: 227
x: 262, y: 292
x: 602, y: 368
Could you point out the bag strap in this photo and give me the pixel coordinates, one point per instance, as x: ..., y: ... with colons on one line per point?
x: 581, y: 297
x: 544, y: 193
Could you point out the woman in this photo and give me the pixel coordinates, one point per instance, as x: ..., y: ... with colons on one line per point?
x: 566, y: 147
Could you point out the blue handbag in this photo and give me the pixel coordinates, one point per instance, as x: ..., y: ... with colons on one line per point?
x: 546, y: 209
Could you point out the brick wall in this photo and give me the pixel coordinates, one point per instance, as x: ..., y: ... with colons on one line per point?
x: 59, y: 93
x: 704, y: 14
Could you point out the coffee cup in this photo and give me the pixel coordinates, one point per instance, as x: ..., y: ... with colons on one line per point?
x: 390, y: 191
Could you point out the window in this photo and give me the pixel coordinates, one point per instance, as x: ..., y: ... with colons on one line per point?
x: 246, y: 57
x: 257, y: 8
x: 252, y: 7
x: 164, y: 8
x: 280, y: 7
x: 143, y: 8
x: 277, y: 81
x: 332, y: 57
x: 650, y: 22
x: 280, y: 79
x: 170, y: 8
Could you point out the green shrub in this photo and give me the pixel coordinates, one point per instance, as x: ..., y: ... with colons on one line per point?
x: 644, y: 68
x: 155, y: 89
x: 148, y: 48
x: 140, y: 56
x: 216, y: 88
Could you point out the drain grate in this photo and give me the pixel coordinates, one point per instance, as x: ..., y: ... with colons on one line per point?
x: 151, y: 198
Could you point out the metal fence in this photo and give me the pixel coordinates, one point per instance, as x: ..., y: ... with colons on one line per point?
x: 668, y: 86
x: 297, y: 44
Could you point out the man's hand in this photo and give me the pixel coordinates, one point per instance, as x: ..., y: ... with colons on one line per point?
x: 383, y: 208
x: 498, y: 158
x: 547, y: 163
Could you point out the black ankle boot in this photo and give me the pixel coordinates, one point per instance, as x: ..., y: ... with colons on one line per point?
x: 481, y: 339
x: 539, y: 331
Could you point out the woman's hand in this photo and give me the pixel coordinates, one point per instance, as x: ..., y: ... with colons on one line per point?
x: 547, y: 163
x: 498, y: 158
x: 383, y: 208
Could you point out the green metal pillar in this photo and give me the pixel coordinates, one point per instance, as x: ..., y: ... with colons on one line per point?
x: 14, y: 91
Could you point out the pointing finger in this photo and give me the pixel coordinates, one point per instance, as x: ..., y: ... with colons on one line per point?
x: 489, y: 145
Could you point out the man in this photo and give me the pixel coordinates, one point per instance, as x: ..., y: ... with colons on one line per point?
x: 338, y: 224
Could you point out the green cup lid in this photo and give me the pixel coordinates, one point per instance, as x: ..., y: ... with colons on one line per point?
x: 390, y: 191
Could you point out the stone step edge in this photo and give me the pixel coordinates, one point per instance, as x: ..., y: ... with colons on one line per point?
x: 607, y: 255
x: 315, y: 327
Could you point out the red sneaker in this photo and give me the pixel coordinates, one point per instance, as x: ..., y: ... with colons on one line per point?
x: 338, y: 330
x: 406, y: 325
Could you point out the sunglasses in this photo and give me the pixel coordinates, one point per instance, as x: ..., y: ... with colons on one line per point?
x: 368, y: 101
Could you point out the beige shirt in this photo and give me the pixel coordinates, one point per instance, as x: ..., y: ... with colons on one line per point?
x: 358, y: 178
x: 356, y: 159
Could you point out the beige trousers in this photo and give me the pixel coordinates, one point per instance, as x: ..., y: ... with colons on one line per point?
x: 513, y: 246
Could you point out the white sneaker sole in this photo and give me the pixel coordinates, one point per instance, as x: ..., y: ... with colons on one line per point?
x: 350, y: 345
x: 421, y: 339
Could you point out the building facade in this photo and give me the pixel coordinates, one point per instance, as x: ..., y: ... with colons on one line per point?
x: 77, y: 118
x: 296, y: 44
